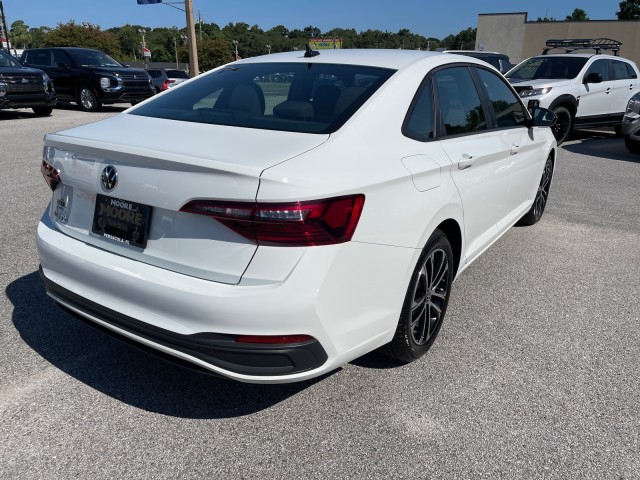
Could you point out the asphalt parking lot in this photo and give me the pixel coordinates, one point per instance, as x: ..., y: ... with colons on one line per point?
x: 535, y: 373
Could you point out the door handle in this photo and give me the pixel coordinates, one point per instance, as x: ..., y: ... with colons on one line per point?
x: 514, y: 148
x: 608, y: 91
x: 466, y: 162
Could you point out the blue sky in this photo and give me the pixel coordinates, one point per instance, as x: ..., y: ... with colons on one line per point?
x: 429, y: 18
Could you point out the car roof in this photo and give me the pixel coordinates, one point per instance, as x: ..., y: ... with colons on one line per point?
x: 580, y: 55
x: 396, y: 59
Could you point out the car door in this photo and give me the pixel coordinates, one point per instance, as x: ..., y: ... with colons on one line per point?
x: 478, y: 155
x: 525, y: 149
x: 624, y: 87
x: 595, y: 98
x: 61, y: 71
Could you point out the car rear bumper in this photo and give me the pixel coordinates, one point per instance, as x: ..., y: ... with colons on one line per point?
x: 198, y: 320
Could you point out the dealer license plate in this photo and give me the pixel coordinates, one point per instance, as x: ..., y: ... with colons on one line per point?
x: 120, y: 220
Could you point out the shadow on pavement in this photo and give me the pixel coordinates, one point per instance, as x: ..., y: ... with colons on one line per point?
x: 127, y: 374
x: 600, y: 144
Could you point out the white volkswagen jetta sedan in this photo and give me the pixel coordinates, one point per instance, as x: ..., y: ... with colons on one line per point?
x: 279, y: 216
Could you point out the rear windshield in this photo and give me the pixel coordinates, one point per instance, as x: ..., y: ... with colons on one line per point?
x: 177, y: 74
x: 295, y: 97
x: 550, y: 67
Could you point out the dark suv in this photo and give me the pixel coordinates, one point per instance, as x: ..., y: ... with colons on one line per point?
x: 90, y: 78
x: 22, y: 87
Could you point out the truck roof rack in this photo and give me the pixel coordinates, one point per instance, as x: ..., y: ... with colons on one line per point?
x: 572, y: 44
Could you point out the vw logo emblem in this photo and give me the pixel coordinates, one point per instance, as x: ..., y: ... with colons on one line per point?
x: 109, y: 177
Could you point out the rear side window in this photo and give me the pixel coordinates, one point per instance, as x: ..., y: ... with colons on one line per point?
x: 632, y: 72
x: 296, y: 97
x: 39, y: 58
x: 460, y: 107
x: 507, y: 108
x: 177, y: 74
x: 419, y: 123
x: 620, y: 71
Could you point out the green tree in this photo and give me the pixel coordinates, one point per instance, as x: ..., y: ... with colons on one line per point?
x: 19, y: 34
x: 578, y: 14
x: 37, y: 36
x: 86, y: 35
x: 546, y: 19
x: 629, y: 10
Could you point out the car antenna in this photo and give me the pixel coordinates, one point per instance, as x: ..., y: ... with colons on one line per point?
x: 310, y: 53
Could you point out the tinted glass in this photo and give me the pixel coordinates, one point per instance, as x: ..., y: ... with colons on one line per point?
x: 7, y: 60
x: 39, y: 57
x: 508, y: 110
x: 548, y: 67
x: 419, y: 122
x: 601, y: 67
x: 460, y: 106
x: 93, y: 58
x: 61, y: 58
x: 296, y: 97
x: 620, y: 71
x: 177, y: 74
x: 632, y: 72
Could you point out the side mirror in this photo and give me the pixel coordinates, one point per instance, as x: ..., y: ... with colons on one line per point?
x: 593, y: 77
x: 542, y: 117
x: 64, y: 65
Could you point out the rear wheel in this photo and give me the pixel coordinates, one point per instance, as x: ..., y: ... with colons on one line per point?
x: 534, y: 214
x: 87, y: 99
x: 425, y: 303
x: 564, y: 124
x: 632, y: 145
x: 42, y: 111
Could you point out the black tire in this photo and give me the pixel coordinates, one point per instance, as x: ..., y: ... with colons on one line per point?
x: 425, y: 303
x: 632, y: 145
x: 564, y: 125
x: 87, y: 99
x: 536, y: 211
x: 618, y: 130
x: 42, y: 111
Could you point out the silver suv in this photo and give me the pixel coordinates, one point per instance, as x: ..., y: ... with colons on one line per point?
x: 583, y: 90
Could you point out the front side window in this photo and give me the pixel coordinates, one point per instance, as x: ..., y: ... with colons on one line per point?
x: 296, y: 97
x: 61, y: 58
x: 506, y: 106
x: 460, y: 107
x: 600, y: 66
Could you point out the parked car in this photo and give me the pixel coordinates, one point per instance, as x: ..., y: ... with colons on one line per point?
x: 499, y: 60
x: 22, y: 87
x: 279, y: 229
x: 583, y: 90
x: 631, y: 124
x: 163, y: 79
x: 90, y: 78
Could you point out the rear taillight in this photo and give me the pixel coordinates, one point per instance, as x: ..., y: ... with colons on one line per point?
x: 319, y: 222
x: 51, y: 175
x: 165, y: 85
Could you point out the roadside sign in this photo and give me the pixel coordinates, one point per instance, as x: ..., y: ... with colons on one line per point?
x: 146, y: 52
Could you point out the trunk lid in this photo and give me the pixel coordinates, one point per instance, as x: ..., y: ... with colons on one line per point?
x: 164, y: 164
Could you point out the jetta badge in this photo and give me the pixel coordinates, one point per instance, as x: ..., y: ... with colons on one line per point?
x: 109, y: 177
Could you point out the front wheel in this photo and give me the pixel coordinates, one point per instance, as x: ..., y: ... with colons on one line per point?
x: 87, y: 99
x: 534, y: 214
x: 425, y: 303
x: 564, y: 124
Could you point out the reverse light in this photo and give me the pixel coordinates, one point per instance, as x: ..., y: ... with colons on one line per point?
x: 274, y: 339
x: 318, y: 222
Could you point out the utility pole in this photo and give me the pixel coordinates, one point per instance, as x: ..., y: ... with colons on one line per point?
x: 4, y: 31
x: 191, y: 39
x: 200, y: 25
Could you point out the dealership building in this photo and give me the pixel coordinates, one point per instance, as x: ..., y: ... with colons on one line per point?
x: 514, y: 35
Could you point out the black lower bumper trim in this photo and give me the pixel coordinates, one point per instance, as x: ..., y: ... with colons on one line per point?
x: 220, y: 350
